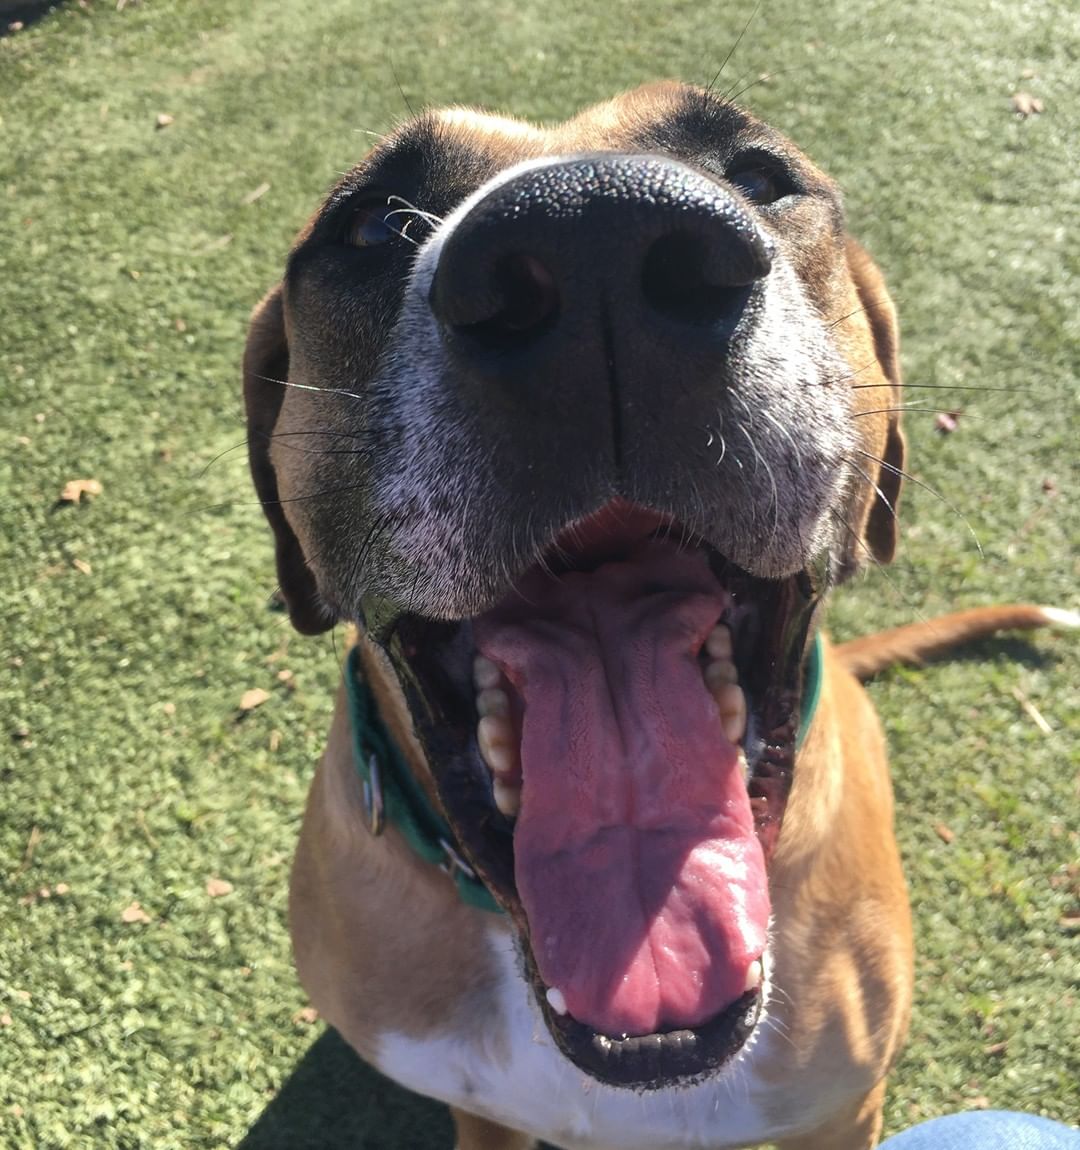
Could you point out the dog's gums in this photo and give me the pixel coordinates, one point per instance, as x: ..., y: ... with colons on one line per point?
x: 634, y: 701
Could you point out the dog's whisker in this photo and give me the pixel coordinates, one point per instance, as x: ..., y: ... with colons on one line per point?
x: 734, y: 48
x: 309, y: 386
x: 796, y: 449
x: 926, y: 487
x: 952, y: 387
x: 881, y: 494
x: 893, y: 585
x: 277, y: 502
x: 913, y: 406
x: 406, y: 205
x: 873, y: 305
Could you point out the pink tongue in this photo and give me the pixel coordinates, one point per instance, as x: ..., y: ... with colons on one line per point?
x: 635, y: 855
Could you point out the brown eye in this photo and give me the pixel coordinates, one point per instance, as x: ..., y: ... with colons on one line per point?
x: 758, y: 185
x: 761, y: 180
x: 377, y: 221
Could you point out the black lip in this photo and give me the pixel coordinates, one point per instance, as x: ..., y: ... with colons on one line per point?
x: 433, y: 661
x: 653, y: 1061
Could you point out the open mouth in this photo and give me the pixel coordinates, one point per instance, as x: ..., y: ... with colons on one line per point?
x: 613, y: 744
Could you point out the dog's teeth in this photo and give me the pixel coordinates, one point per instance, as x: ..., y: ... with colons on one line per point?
x: 493, y: 701
x: 498, y: 746
x: 556, y: 1000
x: 718, y: 644
x: 485, y: 674
x: 507, y: 797
x: 753, y: 976
x: 731, y: 703
x: 720, y: 671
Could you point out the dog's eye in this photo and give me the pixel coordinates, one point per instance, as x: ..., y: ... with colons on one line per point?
x: 377, y: 221
x: 760, y: 183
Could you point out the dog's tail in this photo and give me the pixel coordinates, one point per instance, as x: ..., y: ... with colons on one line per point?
x: 918, y: 642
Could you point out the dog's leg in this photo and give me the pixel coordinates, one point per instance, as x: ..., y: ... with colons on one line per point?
x: 475, y: 1133
x: 856, y: 1128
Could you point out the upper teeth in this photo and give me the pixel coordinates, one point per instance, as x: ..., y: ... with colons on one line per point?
x: 722, y: 680
x: 497, y: 735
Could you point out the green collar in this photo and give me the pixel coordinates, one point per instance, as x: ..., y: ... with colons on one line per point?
x: 392, y: 794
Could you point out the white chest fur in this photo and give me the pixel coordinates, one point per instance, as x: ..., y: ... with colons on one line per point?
x: 511, y: 1072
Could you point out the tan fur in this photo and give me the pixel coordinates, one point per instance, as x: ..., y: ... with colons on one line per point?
x: 917, y: 642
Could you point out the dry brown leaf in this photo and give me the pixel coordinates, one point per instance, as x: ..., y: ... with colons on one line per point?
x: 163, y: 120
x: 133, y: 914
x: 249, y: 700
x: 83, y: 566
x: 1025, y: 104
x: 1069, y: 922
x: 75, y: 489
x: 6, y: 1020
x: 944, y: 832
x: 996, y: 1048
x: 275, y: 740
x: 61, y: 888
x: 216, y: 887
x: 307, y: 1015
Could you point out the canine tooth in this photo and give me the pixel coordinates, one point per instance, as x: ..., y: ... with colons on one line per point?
x: 556, y: 1000
x: 720, y: 671
x: 493, y: 701
x: 731, y: 703
x: 718, y: 644
x: 507, y: 797
x: 753, y: 976
x: 485, y: 674
x: 495, y: 736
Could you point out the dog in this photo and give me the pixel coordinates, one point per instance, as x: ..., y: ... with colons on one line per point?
x: 578, y: 425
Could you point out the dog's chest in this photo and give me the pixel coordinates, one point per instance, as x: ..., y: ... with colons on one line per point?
x: 512, y: 1073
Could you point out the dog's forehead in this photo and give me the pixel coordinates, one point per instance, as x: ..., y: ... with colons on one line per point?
x: 452, y: 150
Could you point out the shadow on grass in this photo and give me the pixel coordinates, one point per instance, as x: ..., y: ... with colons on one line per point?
x: 1017, y: 649
x: 15, y: 15
x: 334, y: 1101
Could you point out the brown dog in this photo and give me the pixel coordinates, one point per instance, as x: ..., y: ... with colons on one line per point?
x: 578, y: 424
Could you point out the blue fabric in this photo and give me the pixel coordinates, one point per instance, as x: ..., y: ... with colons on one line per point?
x: 986, y: 1130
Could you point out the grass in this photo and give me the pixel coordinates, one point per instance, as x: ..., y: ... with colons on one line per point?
x: 134, y: 622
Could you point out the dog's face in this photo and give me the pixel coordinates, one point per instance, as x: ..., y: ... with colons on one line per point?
x: 578, y: 423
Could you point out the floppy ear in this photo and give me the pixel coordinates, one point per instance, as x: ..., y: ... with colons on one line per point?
x: 880, y: 526
x: 266, y: 363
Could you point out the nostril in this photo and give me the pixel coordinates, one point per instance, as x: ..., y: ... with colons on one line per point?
x: 678, y: 281
x: 525, y: 303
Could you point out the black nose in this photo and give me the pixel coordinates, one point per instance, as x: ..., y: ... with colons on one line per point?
x: 564, y: 244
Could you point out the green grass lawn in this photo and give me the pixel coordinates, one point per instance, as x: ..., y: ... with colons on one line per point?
x: 130, y: 255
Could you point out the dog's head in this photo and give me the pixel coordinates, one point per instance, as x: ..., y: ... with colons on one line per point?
x: 579, y: 423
